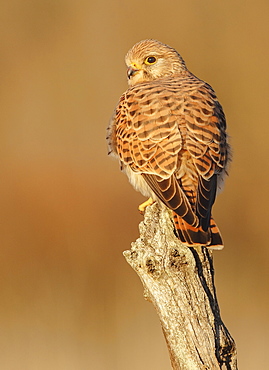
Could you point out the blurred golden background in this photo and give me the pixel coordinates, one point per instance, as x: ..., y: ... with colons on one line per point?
x: 68, y: 298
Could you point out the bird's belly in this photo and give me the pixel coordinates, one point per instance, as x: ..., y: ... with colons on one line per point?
x: 139, y: 183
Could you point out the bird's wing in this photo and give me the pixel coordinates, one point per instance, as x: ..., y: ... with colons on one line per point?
x: 148, y: 140
x: 207, y: 144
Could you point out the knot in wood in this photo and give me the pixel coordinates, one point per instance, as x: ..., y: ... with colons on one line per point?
x: 153, y: 267
x: 177, y: 260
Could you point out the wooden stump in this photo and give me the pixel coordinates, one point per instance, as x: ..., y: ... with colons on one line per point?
x: 179, y: 281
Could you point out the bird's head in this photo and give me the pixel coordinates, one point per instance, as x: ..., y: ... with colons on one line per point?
x: 149, y: 60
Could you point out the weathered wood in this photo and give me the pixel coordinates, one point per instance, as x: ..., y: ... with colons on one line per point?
x: 179, y: 281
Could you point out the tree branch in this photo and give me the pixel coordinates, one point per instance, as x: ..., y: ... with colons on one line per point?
x: 179, y: 281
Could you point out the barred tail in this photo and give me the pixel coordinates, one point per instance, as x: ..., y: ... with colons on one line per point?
x: 196, y: 236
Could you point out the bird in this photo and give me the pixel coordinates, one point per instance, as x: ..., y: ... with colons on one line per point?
x: 168, y: 132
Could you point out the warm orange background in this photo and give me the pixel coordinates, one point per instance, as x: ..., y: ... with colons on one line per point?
x: 68, y: 299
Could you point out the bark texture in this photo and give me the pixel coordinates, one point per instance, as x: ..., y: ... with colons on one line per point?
x: 179, y: 281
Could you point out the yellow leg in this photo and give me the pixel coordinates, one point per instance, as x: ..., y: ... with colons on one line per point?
x: 144, y: 205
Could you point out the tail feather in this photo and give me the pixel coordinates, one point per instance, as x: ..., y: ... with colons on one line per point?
x: 216, y: 239
x: 196, y: 236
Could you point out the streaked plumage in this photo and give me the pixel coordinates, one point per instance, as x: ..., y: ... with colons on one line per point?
x: 169, y: 133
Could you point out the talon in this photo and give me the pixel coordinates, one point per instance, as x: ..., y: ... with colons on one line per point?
x: 144, y: 205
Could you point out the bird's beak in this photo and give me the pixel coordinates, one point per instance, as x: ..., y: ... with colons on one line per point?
x: 132, y: 70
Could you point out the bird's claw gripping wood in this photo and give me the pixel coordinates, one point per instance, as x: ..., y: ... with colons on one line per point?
x: 144, y: 205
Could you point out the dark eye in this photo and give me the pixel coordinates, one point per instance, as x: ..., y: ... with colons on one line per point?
x: 150, y: 60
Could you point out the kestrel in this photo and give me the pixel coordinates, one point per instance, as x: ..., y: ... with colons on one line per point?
x: 169, y: 134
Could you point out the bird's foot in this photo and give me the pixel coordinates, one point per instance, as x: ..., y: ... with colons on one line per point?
x: 144, y: 205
